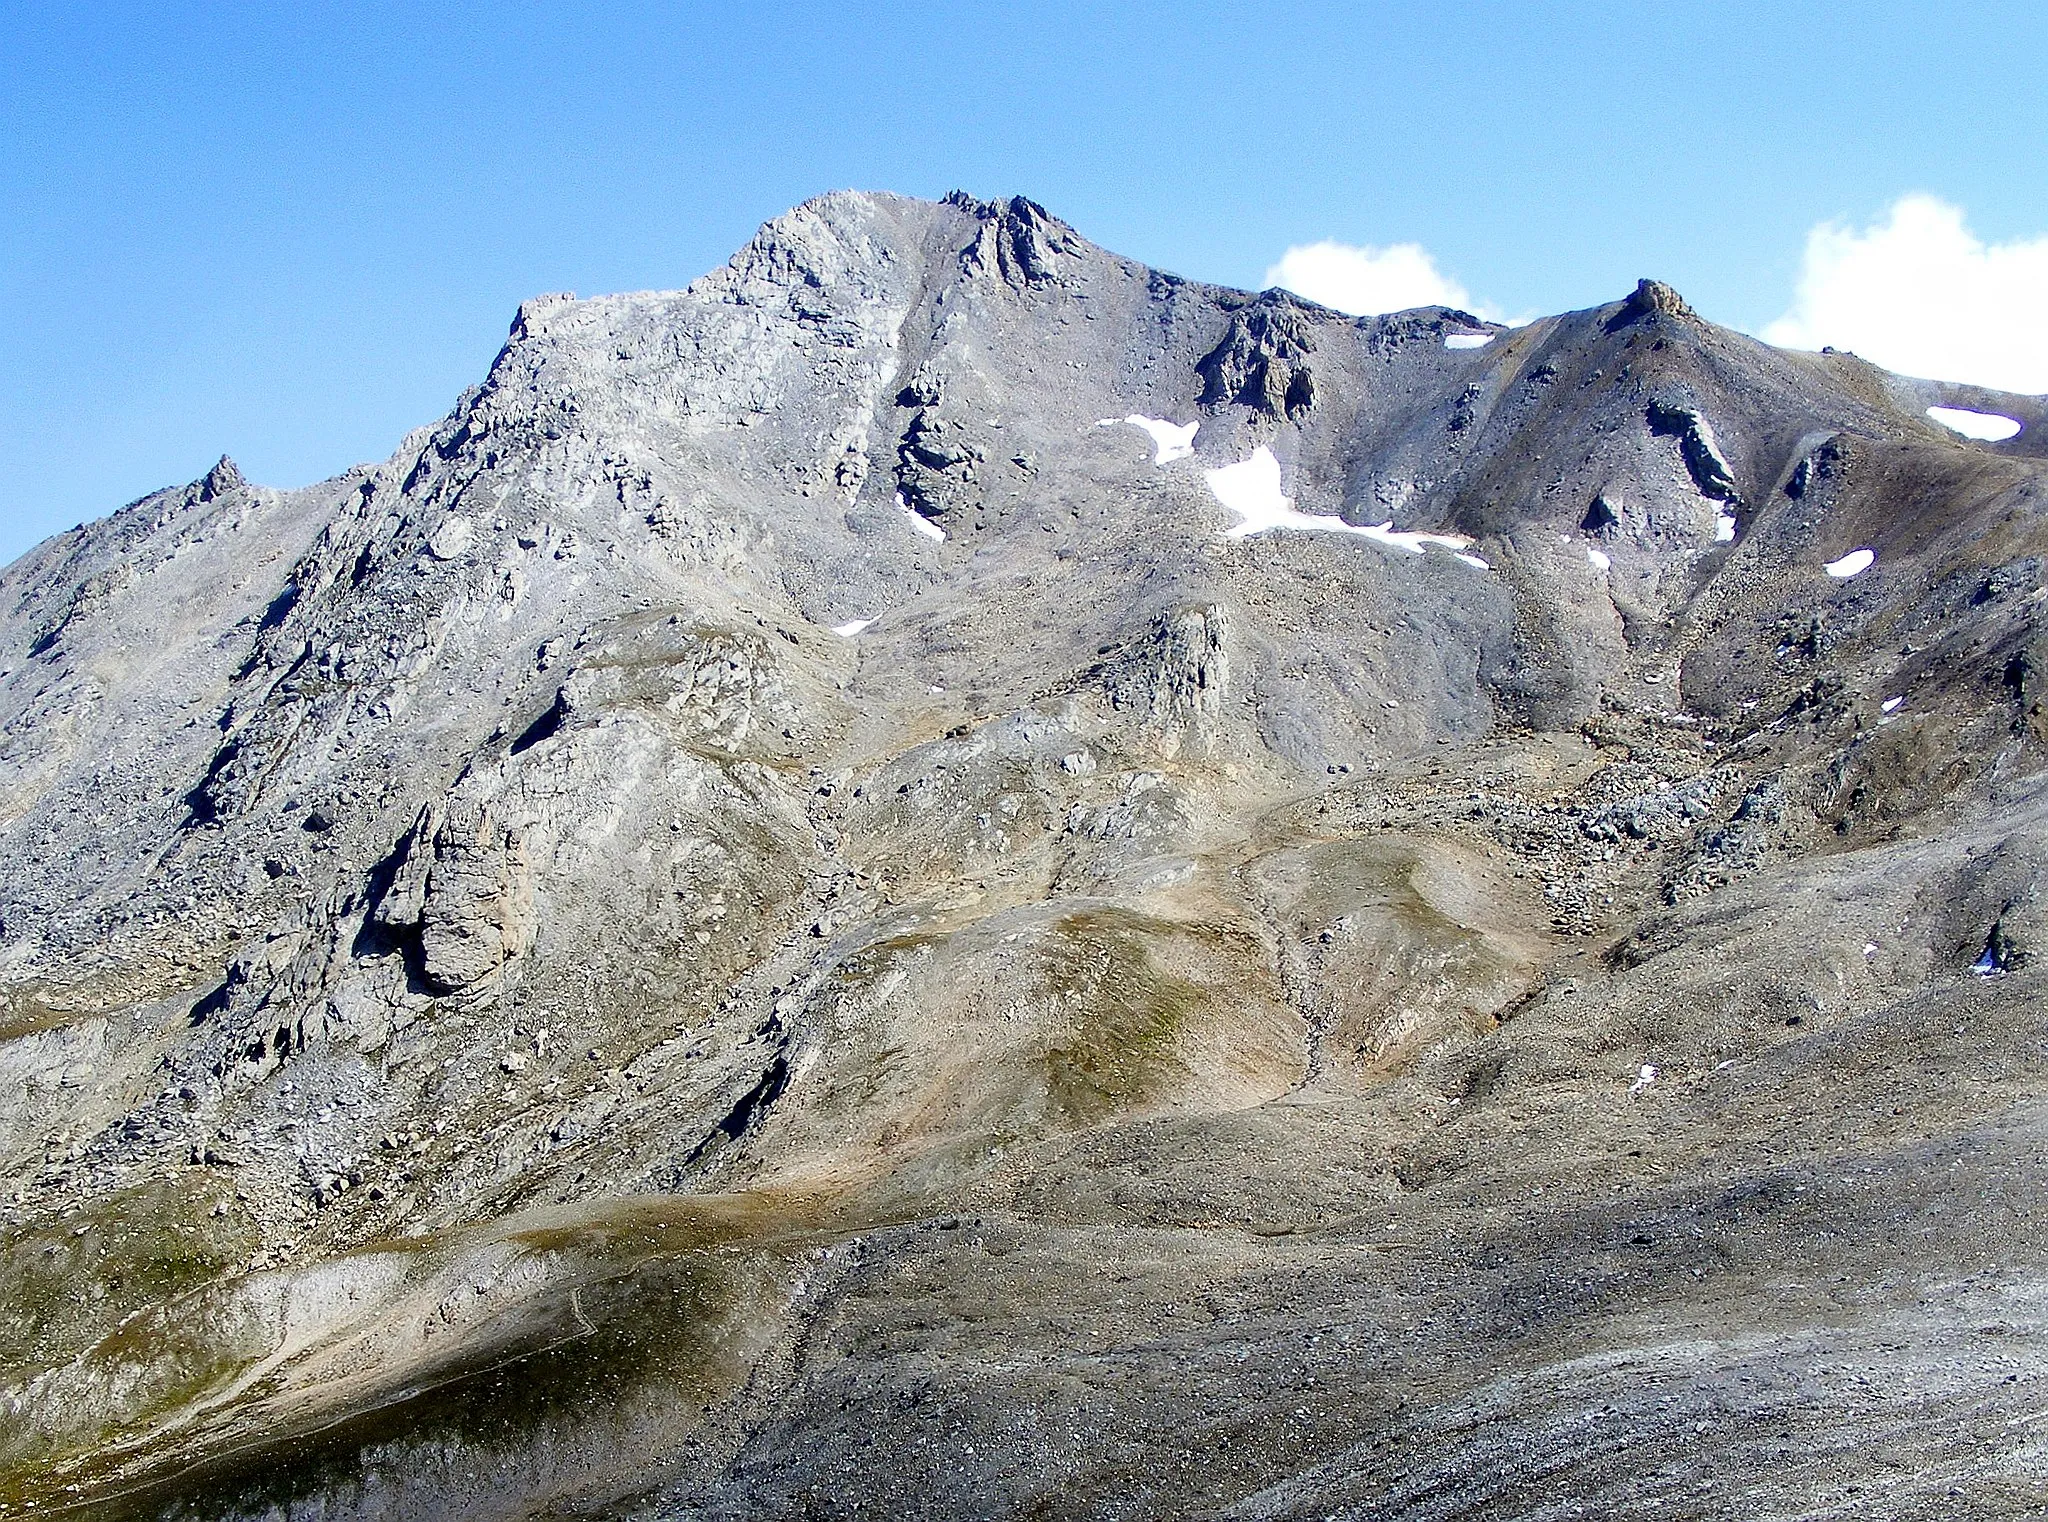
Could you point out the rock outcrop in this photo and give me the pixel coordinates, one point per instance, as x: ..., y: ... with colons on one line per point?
x: 1262, y: 362
x: 464, y: 888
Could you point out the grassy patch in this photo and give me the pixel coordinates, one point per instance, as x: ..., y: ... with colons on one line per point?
x: 607, y: 1370
x: 1128, y: 1014
x: 24, y: 1014
x: 67, y: 1283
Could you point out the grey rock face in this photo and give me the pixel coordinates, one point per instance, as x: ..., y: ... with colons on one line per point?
x: 464, y: 888
x: 1263, y: 361
x: 945, y: 875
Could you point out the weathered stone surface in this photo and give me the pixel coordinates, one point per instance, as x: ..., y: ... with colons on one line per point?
x: 1262, y: 362
x: 476, y: 915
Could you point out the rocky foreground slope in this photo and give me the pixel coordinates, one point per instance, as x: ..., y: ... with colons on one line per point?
x: 947, y: 876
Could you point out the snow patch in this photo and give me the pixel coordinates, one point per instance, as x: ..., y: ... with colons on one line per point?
x: 1855, y: 563
x: 1991, y: 426
x: 1170, y: 441
x: 1724, y: 528
x: 1644, y: 1078
x: 1889, y: 704
x: 1467, y: 340
x: 851, y: 627
x: 1251, y: 489
x: 919, y: 521
x: 1598, y: 559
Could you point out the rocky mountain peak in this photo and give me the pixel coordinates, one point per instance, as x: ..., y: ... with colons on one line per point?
x: 533, y: 310
x: 1019, y: 241
x: 1653, y: 298
x: 995, y: 841
x: 225, y: 477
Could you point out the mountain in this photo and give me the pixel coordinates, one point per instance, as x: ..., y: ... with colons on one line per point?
x: 947, y: 876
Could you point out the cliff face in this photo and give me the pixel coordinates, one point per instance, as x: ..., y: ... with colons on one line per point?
x: 949, y: 876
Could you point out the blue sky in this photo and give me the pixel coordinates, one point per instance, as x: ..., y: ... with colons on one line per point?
x: 292, y: 233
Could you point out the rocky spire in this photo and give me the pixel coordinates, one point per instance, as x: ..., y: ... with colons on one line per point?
x: 225, y: 477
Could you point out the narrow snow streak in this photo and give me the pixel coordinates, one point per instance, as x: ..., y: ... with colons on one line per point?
x: 1598, y: 560
x: 1855, y: 563
x: 1251, y: 489
x: 1467, y: 340
x: 1170, y: 441
x: 851, y: 627
x: 1990, y: 426
x: 919, y: 521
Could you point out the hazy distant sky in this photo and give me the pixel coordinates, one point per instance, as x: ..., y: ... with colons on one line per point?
x: 291, y: 233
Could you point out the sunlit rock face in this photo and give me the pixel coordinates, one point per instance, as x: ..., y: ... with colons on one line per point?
x: 948, y: 876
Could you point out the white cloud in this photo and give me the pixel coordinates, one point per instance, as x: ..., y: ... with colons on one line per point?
x: 1923, y: 295
x: 1366, y: 281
